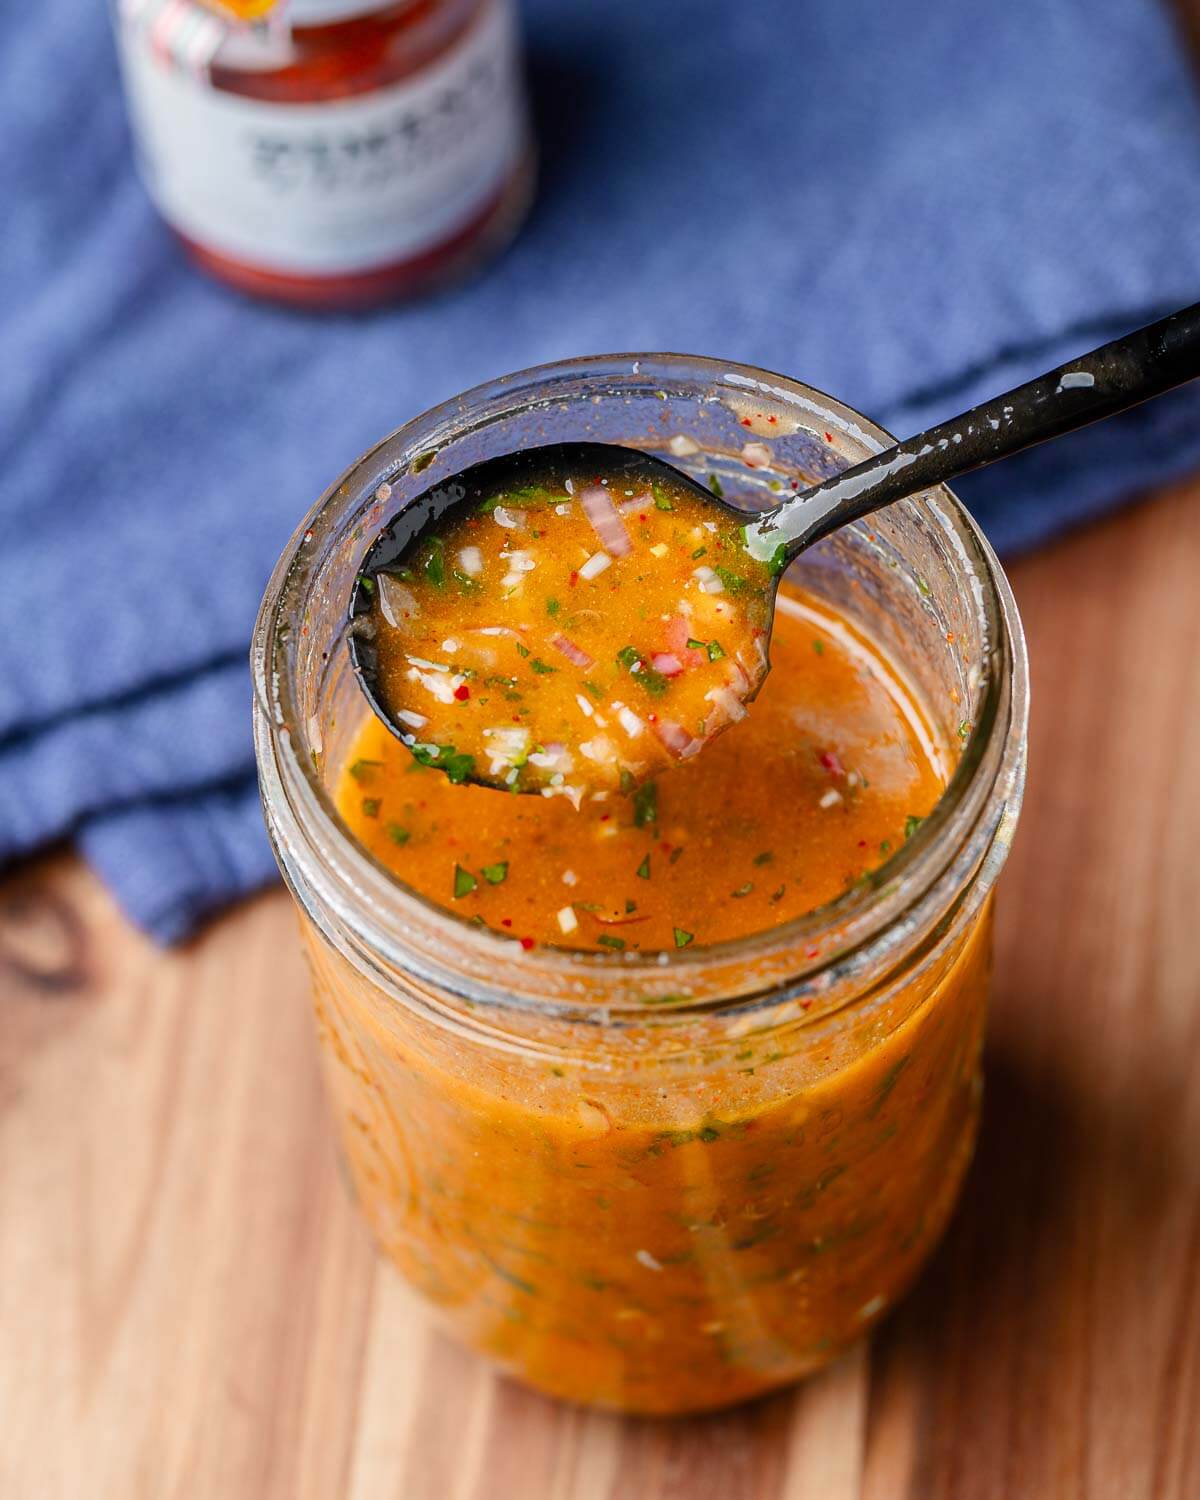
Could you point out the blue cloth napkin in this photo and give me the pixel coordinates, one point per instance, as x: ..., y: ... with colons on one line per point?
x: 911, y: 205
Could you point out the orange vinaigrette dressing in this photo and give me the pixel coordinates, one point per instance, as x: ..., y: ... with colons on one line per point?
x: 579, y: 632
x: 825, y: 777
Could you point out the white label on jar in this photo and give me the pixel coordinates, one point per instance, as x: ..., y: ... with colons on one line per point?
x: 336, y: 187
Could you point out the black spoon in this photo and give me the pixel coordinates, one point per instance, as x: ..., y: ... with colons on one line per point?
x: 1100, y: 384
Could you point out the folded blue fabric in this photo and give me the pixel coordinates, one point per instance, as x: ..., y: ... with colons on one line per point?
x: 911, y: 205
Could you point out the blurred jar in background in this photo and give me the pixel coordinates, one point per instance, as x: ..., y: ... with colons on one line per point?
x: 336, y: 153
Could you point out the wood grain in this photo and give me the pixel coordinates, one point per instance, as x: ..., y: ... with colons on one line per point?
x: 189, y: 1306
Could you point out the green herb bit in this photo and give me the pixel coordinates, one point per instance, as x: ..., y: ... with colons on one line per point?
x: 366, y: 584
x: 522, y: 650
x: 715, y: 650
x: 699, y: 552
x: 434, y: 563
x: 495, y: 874
x: 885, y: 847
x: 734, y: 582
x: 643, y: 870
x: 596, y: 692
x: 743, y: 890
x: 923, y: 587
x: 422, y: 461
x: 364, y: 770
x: 911, y: 824
x: 778, y: 559
x: 675, y: 855
x: 653, y: 682
x: 662, y: 501
x: 694, y: 645
x: 371, y: 806
x: 552, y: 606
x: 765, y: 857
x: 543, y: 669
x: 708, y: 1133
x: 645, y: 805
x: 777, y: 896
x: 504, y: 682
x: 464, y: 882
x: 630, y: 907
x: 397, y: 834
x: 819, y: 647
x: 682, y: 938
x: 606, y: 940
x: 445, y: 758
x: 627, y: 781
x: 716, y: 486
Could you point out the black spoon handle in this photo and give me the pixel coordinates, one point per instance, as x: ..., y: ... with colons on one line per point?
x: 1096, y: 385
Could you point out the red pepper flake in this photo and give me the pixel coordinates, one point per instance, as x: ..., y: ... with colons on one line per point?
x: 462, y: 692
x: 862, y: 843
x: 604, y: 817
x: 829, y: 437
x: 806, y: 1004
x: 831, y: 763
x: 506, y: 921
x: 527, y: 943
x: 772, y: 420
x: 665, y: 847
x: 811, y: 952
x: 746, y: 422
x: 573, y: 580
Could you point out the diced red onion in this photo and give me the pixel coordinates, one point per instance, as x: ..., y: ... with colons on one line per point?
x: 644, y: 501
x: 606, y: 523
x: 575, y: 654
x: 756, y: 455
x: 677, y: 740
x: 666, y: 663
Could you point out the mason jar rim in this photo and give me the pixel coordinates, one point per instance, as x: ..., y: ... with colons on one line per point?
x: 378, y: 915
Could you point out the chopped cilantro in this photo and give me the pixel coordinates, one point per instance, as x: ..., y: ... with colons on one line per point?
x: 397, y: 834
x: 543, y: 669
x: 630, y: 906
x: 552, y: 606
x: 708, y: 1133
x: 434, y: 563
x: 734, y: 582
x: 596, y: 692
x: 819, y: 647
x: 911, y: 824
x: 885, y: 847
x: 522, y: 650
x: 694, y: 645
x: 675, y: 854
x: 364, y: 770
x: 627, y: 781
x: 464, y: 882
x: 445, y: 758
x: 715, y: 650
x: 764, y: 858
x: 371, y: 806
x: 743, y: 890
x: 662, y: 501
x: 606, y: 940
x: 778, y: 559
x: 422, y: 461
x: 682, y: 939
x: 653, y: 682
x: 699, y: 552
x: 643, y: 870
x: 645, y: 805
x: 495, y: 874
x: 366, y: 584
x: 716, y: 486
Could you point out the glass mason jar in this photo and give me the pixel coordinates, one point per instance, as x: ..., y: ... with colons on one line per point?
x: 339, y: 153
x: 657, y: 1182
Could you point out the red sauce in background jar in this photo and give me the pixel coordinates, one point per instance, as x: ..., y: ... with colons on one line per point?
x: 341, y: 152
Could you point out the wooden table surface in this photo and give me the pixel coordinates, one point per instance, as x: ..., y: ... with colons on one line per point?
x: 190, y: 1307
